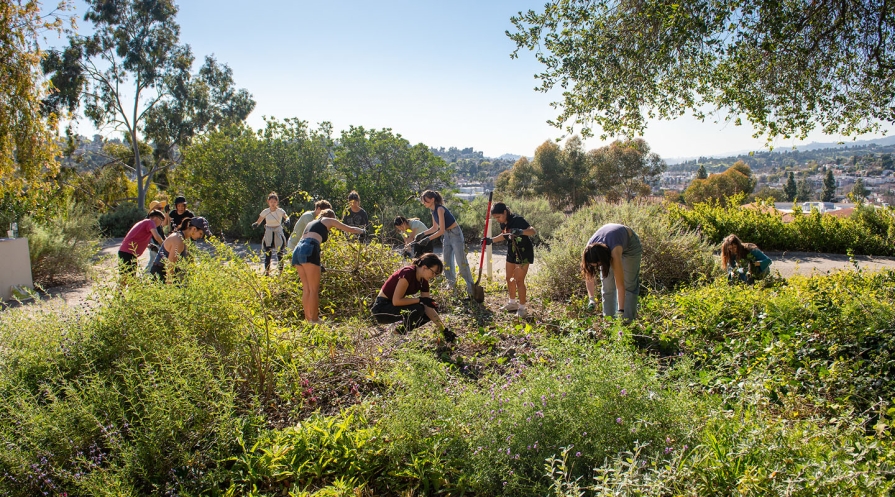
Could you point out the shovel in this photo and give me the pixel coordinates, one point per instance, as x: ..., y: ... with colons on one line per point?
x: 478, y: 291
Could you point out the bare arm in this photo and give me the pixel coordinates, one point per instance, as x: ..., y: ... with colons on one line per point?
x: 619, y: 272
x: 335, y: 223
x: 399, y: 299
x: 158, y: 238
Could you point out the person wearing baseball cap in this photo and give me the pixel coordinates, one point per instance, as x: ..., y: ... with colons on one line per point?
x: 180, y: 212
x: 175, y: 247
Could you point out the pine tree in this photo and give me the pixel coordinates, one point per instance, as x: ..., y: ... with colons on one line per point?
x: 791, y: 190
x: 829, y: 191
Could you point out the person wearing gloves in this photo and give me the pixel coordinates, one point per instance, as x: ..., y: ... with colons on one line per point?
x: 273, y: 218
x: 743, y: 261
x: 614, y: 252
x: 304, y: 220
x: 395, y: 302
x: 410, y: 229
x: 179, y: 213
x: 520, y: 254
x: 175, y: 247
x: 137, y: 239
x: 163, y: 207
x: 306, y: 260
x: 444, y: 224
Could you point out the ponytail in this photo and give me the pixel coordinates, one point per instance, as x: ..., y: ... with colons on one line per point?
x: 429, y: 260
x: 434, y: 195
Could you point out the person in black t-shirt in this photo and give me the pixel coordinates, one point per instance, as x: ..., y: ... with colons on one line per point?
x: 179, y: 213
x: 520, y: 254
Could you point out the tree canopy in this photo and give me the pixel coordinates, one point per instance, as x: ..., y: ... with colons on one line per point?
x: 737, y: 179
x: 784, y: 67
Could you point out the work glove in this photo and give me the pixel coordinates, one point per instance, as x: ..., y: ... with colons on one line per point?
x: 363, y: 234
x: 425, y: 242
x: 487, y: 241
x: 254, y: 225
x: 449, y: 336
x: 418, y: 237
x: 428, y: 302
x: 517, y: 232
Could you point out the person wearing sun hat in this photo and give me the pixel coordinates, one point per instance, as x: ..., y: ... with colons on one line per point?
x: 180, y: 212
x: 175, y: 247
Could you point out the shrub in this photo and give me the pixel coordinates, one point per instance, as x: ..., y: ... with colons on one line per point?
x: 62, y: 247
x: 672, y: 254
x: 118, y: 222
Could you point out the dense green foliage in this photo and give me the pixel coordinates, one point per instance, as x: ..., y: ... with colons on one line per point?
x: 735, y: 180
x: 868, y: 230
x: 117, y: 222
x: 61, y: 245
x: 785, y: 68
x: 673, y: 254
x: 216, y: 386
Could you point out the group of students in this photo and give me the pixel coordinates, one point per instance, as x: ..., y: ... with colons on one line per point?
x: 168, y: 249
x: 613, y: 253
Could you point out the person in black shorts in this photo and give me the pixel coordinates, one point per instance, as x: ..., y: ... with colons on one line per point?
x: 520, y: 254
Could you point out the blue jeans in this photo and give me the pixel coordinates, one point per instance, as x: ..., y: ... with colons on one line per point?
x: 631, y: 256
x: 455, y: 247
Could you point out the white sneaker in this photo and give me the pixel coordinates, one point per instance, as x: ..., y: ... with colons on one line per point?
x: 510, y: 306
x: 522, y: 311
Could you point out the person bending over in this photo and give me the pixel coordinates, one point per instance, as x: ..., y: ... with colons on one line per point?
x: 303, y: 220
x: 396, y: 303
x: 520, y: 254
x: 175, y: 247
x: 306, y: 260
x: 614, y: 252
x: 409, y: 229
x: 136, y: 241
x: 743, y: 261
x: 273, y: 218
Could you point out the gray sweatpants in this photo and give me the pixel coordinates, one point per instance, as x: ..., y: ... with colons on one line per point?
x: 631, y: 256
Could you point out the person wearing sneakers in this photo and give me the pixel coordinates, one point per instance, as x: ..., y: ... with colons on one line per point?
x: 520, y: 254
x: 614, y: 252
x: 304, y: 220
x: 306, y: 260
x: 179, y: 213
x: 395, y: 303
x: 273, y: 218
x: 444, y: 224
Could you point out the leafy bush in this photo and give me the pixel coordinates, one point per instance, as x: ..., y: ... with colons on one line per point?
x: 62, y: 246
x: 672, y: 254
x: 119, y: 221
x: 868, y: 230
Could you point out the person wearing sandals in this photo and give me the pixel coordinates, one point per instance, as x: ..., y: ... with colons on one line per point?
x: 304, y: 220
x: 273, y: 218
x: 175, y: 247
x: 396, y: 304
x: 409, y: 229
x: 306, y: 260
x: 520, y: 254
x: 445, y: 225
x: 614, y: 252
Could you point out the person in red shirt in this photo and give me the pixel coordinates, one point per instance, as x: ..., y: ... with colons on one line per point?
x: 395, y: 302
x: 137, y: 239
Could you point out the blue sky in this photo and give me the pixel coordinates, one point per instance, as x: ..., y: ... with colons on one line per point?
x: 439, y: 73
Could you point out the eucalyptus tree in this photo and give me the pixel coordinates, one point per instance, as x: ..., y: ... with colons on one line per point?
x: 132, y: 74
x: 784, y: 67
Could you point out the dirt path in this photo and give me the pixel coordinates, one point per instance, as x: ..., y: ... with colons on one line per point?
x: 786, y: 263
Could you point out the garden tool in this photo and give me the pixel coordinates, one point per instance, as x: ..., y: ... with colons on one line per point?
x: 478, y: 291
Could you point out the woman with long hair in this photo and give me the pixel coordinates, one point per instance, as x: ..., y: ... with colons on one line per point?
x: 520, y: 254
x: 614, y: 252
x: 396, y: 303
x: 409, y: 229
x: 274, y: 238
x: 445, y: 225
x: 306, y: 260
x: 743, y: 261
x: 175, y: 247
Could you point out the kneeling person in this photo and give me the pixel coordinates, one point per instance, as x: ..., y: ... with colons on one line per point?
x: 395, y: 304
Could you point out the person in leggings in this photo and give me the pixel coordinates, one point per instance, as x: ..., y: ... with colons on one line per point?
x: 273, y: 218
x: 445, y: 225
x: 306, y: 260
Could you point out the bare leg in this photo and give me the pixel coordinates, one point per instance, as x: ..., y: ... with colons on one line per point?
x: 305, y: 294
x: 520, y: 271
x: 511, y: 280
x: 312, y: 272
